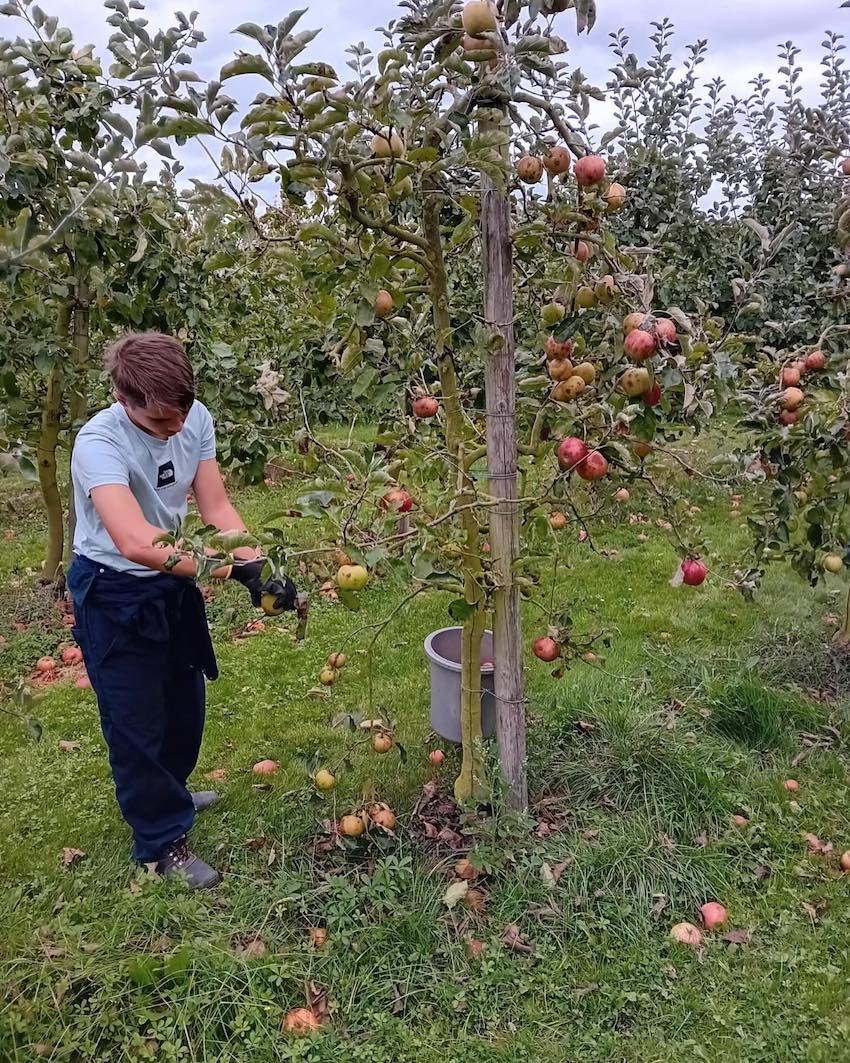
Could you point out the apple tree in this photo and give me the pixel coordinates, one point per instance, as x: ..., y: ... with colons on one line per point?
x: 427, y: 161
x: 72, y: 176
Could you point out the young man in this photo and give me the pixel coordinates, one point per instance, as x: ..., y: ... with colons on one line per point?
x: 141, y: 626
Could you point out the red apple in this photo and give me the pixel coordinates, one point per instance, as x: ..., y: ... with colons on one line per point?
x: 397, y: 500
x: 594, y: 466
x: 546, y: 649
x: 713, y: 915
x: 665, y: 330
x: 583, y: 251
x: 557, y: 350
x: 816, y: 360
x: 557, y: 160
x: 653, y: 396
x: 425, y: 406
x: 590, y: 170
x: 571, y: 452
x: 693, y: 572
x: 640, y: 345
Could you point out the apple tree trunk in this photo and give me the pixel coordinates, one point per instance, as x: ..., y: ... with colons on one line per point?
x: 471, y: 784
x: 46, y: 446
x: 78, y: 401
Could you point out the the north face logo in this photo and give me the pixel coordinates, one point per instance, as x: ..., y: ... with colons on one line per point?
x: 165, y: 475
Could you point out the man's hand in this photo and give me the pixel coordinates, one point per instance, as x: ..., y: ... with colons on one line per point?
x: 273, y: 596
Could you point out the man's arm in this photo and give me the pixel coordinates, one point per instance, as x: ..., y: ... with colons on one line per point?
x: 217, y: 509
x: 134, y: 535
x: 214, y: 505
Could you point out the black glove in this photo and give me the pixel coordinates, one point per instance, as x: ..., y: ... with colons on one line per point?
x: 250, y: 575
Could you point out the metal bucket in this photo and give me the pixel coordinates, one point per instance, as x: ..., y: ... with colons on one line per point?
x: 443, y: 649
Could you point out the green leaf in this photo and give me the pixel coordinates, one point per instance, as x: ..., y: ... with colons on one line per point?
x: 761, y: 232
x: 144, y: 970
x: 185, y: 126
x: 141, y: 247
x: 288, y: 24
x: 44, y: 362
x: 460, y: 610
x: 119, y: 123
x: 27, y: 469
x: 365, y: 381
x: 246, y: 64
x: 143, y: 73
x: 350, y: 600
x: 251, y: 29
x: 220, y: 260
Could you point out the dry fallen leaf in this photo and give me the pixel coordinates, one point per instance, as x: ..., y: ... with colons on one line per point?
x: 475, y: 901
x: 475, y: 948
x: 514, y: 940
x: 254, y: 949
x: 71, y: 856
x: 256, y: 843
x: 317, y: 1001
x: 817, y: 846
x: 318, y: 937
x: 455, y: 893
x: 736, y: 937
x: 811, y: 911
x: 666, y: 843
x: 216, y: 775
x: 551, y: 874
x: 68, y: 747
x: 450, y: 837
x: 701, y: 840
x: 658, y: 906
x: 545, y: 911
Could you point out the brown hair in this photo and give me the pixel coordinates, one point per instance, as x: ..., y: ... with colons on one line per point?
x: 151, y: 369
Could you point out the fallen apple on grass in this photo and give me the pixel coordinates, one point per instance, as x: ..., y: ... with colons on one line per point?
x: 687, y: 934
x: 713, y: 915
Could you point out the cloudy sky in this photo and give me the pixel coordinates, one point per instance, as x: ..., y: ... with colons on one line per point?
x: 743, y: 34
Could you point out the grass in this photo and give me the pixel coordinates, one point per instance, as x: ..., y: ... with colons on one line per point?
x: 697, y: 711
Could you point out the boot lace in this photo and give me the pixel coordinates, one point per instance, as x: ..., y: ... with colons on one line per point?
x: 178, y: 852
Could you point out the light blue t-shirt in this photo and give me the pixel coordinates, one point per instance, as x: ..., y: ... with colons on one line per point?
x: 110, y: 449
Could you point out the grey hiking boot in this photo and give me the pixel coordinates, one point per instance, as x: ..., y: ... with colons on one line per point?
x: 203, y: 799
x: 178, y: 859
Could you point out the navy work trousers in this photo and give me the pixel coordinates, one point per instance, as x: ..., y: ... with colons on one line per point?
x: 146, y: 646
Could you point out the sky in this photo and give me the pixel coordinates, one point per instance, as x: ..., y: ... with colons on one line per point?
x: 743, y: 35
